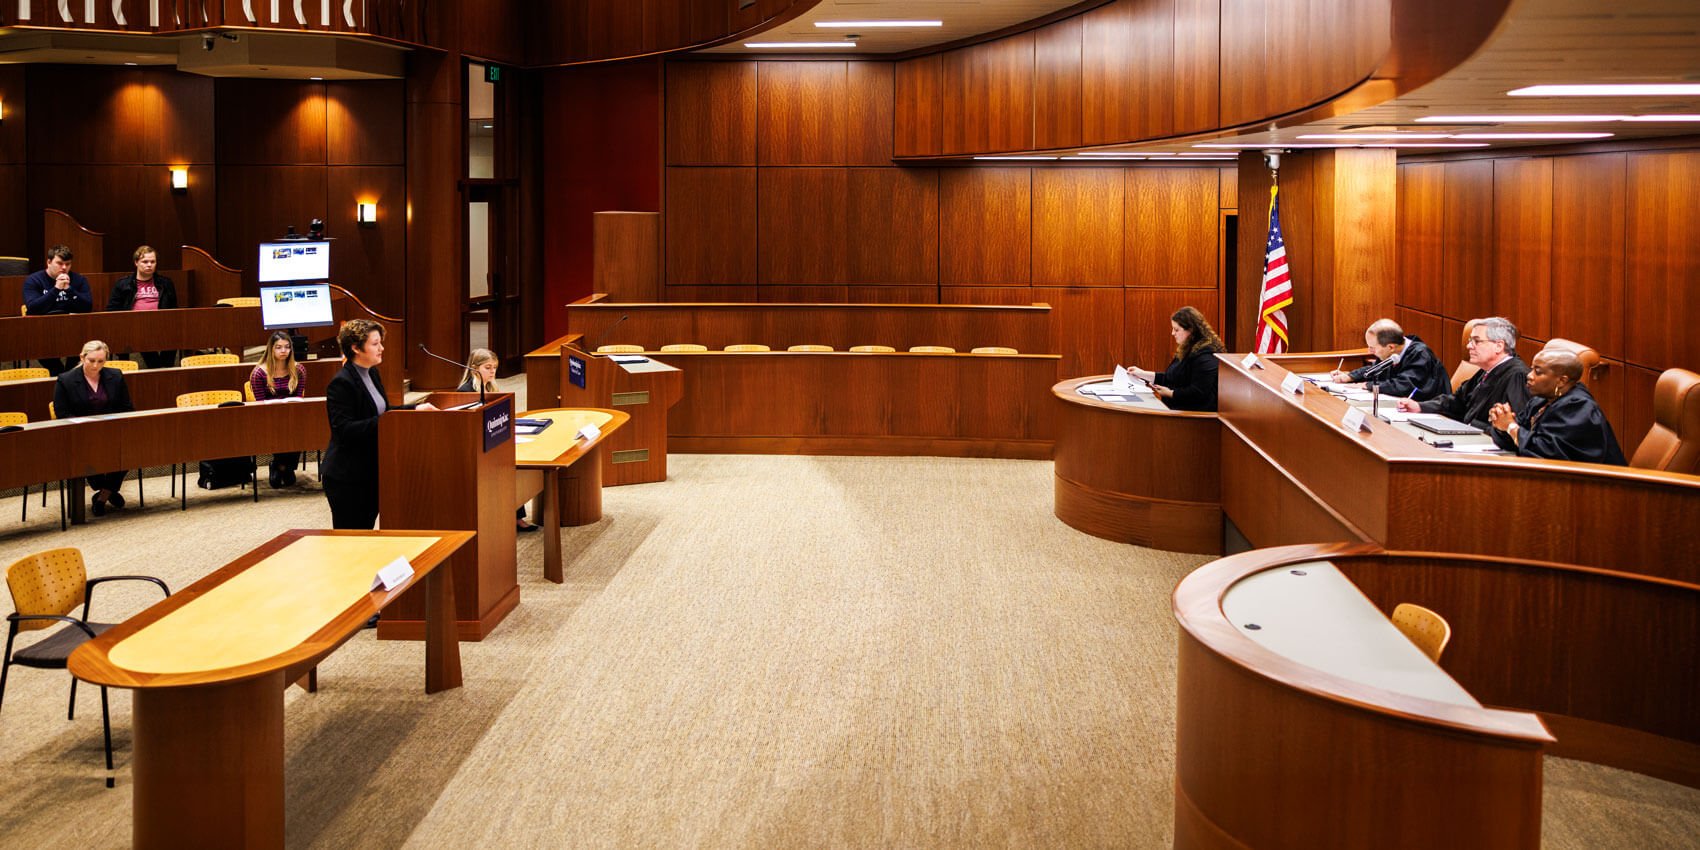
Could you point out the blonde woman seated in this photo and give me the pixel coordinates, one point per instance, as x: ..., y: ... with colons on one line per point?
x: 277, y: 377
x: 481, y: 372
x: 93, y: 390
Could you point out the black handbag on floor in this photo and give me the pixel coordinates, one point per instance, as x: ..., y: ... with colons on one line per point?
x: 226, y: 472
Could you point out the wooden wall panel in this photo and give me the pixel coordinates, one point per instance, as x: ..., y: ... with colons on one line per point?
x: 987, y: 96
x: 1588, y: 194
x: 1467, y: 263
x: 1421, y: 219
x: 1086, y: 328
x: 710, y: 295
x: 801, y: 225
x: 293, y: 195
x: 627, y: 259
x: 370, y: 261
x: 614, y: 28
x: 14, y: 85
x: 917, y: 114
x: 1361, y: 233
x: 710, y: 226
x: 1429, y: 327
x: 1147, y: 343
x: 1128, y: 70
x: 1197, y: 74
x: 270, y: 122
x: 801, y: 113
x: 1325, y: 50
x: 14, y: 231
x: 1077, y: 227
x: 868, y: 117
x: 892, y: 294
x: 363, y: 123
x: 985, y: 226
x: 1056, y: 84
x: 1522, y: 237
x: 711, y: 113
x: 892, y: 226
x: 1662, y: 218
x: 1172, y: 227
x: 801, y: 295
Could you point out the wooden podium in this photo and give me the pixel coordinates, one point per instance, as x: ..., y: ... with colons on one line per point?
x: 637, y: 453
x: 437, y: 472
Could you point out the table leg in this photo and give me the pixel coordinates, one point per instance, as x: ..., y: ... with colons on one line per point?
x: 442, y: 644
x: 549, y: 502
x: 209, y: 765
x: 76, y: 500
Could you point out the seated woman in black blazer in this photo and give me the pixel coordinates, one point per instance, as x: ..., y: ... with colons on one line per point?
x: 1190, y: 381
x: 353, y: 401
x: 92, y: 390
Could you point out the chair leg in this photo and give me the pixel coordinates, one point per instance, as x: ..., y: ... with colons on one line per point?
x: 141, y: 496
x: 71, y: 713
x: 6, y: 667
x: 254, y: 476
x: 174, y: 481
x: 63, y: 516
x: 184, y: 490
x: 106, y: 726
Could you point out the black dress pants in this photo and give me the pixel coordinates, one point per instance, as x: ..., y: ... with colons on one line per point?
x: 354, y: 505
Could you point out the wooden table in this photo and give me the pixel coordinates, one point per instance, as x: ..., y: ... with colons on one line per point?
x: 569, y: 492
x: 209, y: 666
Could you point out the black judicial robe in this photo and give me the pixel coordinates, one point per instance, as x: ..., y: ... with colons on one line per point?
x: 1508, y: 382
x: 1417, y: 369
x: 1570, y: 427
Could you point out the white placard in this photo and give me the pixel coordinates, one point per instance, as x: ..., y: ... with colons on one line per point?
x: 1123, y: 381
x: 1293, y: 384
x: 1355, y: 420
x: 589, y: 433
x: 393, y: 574
x: 1250, y: 361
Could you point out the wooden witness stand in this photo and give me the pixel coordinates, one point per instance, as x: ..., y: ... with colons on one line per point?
x: 637, y: 454
x: 435, y: 473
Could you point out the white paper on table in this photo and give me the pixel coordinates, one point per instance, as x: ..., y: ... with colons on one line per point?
x: 628, y: 358
x: 393, y: 574
x: 1318, y: 377
x: 521, y: 439
x: 1475, y: 449
x: 1123, y: 381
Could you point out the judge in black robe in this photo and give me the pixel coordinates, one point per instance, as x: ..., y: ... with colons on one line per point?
x: 1405, y: 366
x: 1563, y: 422
x: 1505, y: 383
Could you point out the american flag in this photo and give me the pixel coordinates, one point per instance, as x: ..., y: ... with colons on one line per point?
x: 1277, y: 286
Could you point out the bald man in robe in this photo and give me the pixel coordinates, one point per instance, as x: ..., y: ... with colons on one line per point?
x: 1562, y: 421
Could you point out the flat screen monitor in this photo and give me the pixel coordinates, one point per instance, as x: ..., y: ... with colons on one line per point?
x: 281, y: 261
x: 299, y: 305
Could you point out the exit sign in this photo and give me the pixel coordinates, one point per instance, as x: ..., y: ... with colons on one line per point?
x: 492, y: 73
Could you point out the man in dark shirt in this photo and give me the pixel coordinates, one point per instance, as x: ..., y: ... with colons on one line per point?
x: 1404, y: 367
x: 57, y: 289
x: 1502, y: 380
x: 1563, y: 422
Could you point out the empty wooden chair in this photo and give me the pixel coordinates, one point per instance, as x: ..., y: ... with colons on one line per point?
x: 203, y: 399
x: 684, y: 346
x: 1428, y: 630
x: 124, y: 365
x: 29, y: 373
x: 872, y: 349
x: 931, y: 349
x: 809, y: 348
x: 1673, y: 443
x: 748, y: 347
x: 209, y: 360
x: 994, y: 349
x: 240, y: 301
x: 619, y: 349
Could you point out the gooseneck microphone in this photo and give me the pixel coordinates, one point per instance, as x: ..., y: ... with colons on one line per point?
x: 475, y: 378
x: 603, y: 337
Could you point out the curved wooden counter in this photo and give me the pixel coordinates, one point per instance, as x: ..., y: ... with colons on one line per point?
x: 1138, y: 473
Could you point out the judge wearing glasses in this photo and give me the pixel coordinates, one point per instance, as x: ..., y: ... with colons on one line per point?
x: 1503, y: 378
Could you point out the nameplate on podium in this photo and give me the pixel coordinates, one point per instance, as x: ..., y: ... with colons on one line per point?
x: 575, y: 371
x: 498, y: 423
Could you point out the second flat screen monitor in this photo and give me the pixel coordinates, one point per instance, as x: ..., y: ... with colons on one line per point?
x: 300, y: 305
x: 281, y: 261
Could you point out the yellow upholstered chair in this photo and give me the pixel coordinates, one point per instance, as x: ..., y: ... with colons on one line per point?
x: 809, y: 348
x: 748, y: 347
x: 619, y: 349
x: 240, y: 301
x: 684, y: 346
x: 26, y: 374
x: 208, y: 397
x: 931, y: 349
x: 123, y: 365
x: 994, y: 349
x: 203, y: 399
x: 1428, y: 630
x: 873, y: 349
x: 7, y: 420
x: 209, y: 360
x: 1673, y: 443
x: 10, y: 418
x: 47, y: 588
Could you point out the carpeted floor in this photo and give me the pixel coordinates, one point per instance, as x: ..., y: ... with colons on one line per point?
x: 760, y: 652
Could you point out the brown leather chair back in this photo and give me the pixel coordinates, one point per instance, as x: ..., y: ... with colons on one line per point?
x: 1590, y: 358
x: 1465, y: 370
x: 1673, y: 443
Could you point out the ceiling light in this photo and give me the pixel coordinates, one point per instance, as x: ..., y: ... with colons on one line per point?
x: 1607, y: 90
x: 315, y: 78
x: 1670, y: 118
x: 858, y: 24
x: 1375, y: 136
x: 1425, y: 145
x: 793, y: 44
x: 1517, y: 119
x: 1102, y: 158
x: 1531, y: 135
x: 1262, y: 145
x: 131, y: 64
x: 1014, y: 157
x: 1124, y: 153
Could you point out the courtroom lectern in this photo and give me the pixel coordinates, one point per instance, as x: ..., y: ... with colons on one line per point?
x: 453, y: 470
x: 637, y: 453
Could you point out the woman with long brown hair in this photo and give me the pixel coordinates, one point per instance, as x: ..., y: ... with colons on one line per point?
x: 279, y: 376
x: 1190, y: 381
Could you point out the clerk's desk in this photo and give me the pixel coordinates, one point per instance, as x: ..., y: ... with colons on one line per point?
x: 645, y: 391
x: 209, y: 665
x: 1131, y: 470
x: 564, y: 472
x: 1292, y: 473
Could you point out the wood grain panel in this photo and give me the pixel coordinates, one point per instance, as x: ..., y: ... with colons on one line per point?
x: 868, y: 116
x: 178, y: 127
x: 1427, y: 326
x: 1147, y: 343
x: 1077, y: 227
x: 614, y: 28
x: 801, y: 225
x: 892, y: 229
x: 627, y: 258
x: 13, y: 95
x: 710, y: 226
x: 294, y: 196
x: 1659, y: 226
x: 1323, y: 51
x: 289, y: 129
x: 1588, y: 195
x: 1128, y: 71
x: 1171, y: 227
x: 1086, y: 328
x: 1230, y: 197
x: 122, y: 100
x: 707, y: 295
x: 893, y: 294
x: 1361, y: 232
x: 801, y: 295
x: 169, y: 220
x: 1522, y: 235
x: 1056, y: 84
x: 1468, y: 262
x: 364, y: 122
x: 917, y: 117
x: 1197, y: 74
x: 985, y: 226
x: 370, y: 261
x: 711, y: 113
x: 987, y: 96
x: 132, y: 205
x: 801, y: 110
x: 14, y: 194
x: 1422, y: 216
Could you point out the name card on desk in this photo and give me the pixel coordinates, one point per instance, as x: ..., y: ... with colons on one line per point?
x: 392, y: 575
x: 590, y: 433
x: 1355, y: 419
x: 1250, y: 361
x: 1293, y: 384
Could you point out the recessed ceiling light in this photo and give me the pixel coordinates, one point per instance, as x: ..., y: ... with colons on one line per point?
x: 1607, y: 90
x: 1124, y: 153
x: 1102, y: 158
x: 859, y: 24
x: 1517, y: 119
x: 1669, y: 118
x: 1531, y: 135
x: 799, y: 44
x: 1014, y: 157
x: 1261, y: 145
x: 1375, y: 136
x: 1425, y: 145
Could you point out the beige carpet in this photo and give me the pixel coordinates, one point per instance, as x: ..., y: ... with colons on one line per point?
x: 763, y: 651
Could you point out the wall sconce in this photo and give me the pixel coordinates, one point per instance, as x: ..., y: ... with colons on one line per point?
x: 366, y: 213
x: 180, y: 178
x: 2, y: 110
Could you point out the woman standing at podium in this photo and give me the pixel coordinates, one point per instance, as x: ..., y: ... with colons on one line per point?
x: 353, y: 401
x: 1190, y: 381
x: 481, y: 373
